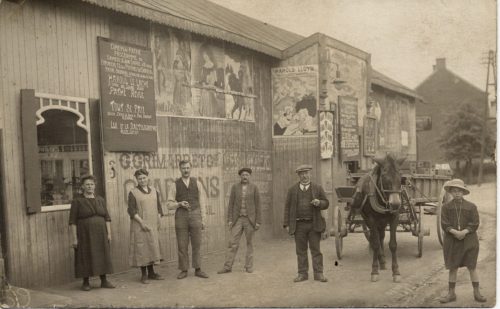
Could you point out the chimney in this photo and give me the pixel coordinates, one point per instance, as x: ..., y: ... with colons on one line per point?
x: 440, y: 64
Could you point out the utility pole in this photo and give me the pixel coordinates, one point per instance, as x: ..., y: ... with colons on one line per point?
x: 491, y: 63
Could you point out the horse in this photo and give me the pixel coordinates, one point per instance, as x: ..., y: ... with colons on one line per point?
x: 377, y: 198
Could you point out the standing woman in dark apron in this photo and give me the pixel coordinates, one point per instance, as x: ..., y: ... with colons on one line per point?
x: 460, y: 220
x: 145, y: 212
x: 91, y: 231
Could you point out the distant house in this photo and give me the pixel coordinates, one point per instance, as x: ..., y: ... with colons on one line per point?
x: 443, y: 92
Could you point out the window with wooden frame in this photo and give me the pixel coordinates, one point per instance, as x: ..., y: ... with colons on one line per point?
x: 57, y: 148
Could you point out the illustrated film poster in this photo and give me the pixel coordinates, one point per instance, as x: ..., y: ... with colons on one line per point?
x: 238, y: 78
x: 208, y: 79
x: 172, y: 59
x: 294, y: 95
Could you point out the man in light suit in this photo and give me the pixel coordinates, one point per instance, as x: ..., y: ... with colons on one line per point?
x: 303, y: 219
x: 243, y: 215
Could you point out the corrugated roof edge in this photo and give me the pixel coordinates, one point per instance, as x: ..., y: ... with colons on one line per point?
x: 386, y: 82
x: 181, y: 23
x: 321, y: 38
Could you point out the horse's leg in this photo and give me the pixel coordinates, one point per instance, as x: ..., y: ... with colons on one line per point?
x: 375, y: 243
x: 393, y: 245
x: 381, y: 255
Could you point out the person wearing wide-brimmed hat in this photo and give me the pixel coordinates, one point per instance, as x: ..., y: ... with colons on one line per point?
x: 303, y: 219
x: 460, y: 220
x: 243, y: 215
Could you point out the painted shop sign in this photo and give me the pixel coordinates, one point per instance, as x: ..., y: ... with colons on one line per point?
x: 127, y: 97
x: 348, y: 124
x: 294, y: 97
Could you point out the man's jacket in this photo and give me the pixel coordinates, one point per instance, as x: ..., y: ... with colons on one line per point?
x: 290, y: 217
x: 252, y: 202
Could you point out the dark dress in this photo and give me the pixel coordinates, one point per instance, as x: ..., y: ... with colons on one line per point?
x: 92, y: 257
x: 460, y: 253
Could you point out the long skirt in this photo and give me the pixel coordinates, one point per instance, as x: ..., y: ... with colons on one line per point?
x: 92, y: 257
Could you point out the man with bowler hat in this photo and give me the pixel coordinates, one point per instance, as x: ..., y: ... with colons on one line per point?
x: 243, y: 215
x: 303, y: 219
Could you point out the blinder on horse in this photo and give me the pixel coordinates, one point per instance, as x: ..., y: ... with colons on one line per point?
x: 382, y: 204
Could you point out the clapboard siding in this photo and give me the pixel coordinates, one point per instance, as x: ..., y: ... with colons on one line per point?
x: 288, y: 153
x: 51, y: 46
x: 42, y: 49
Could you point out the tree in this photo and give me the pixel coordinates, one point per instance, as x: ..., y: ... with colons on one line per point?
x: 461, y: 140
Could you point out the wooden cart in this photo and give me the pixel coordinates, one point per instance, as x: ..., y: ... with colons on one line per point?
x: 417, y: 190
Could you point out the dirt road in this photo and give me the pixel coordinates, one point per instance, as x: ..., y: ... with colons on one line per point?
x: 423, y: 279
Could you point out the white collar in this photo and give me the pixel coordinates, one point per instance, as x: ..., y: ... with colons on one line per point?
x: 304, y: 187
x: 186, y: 182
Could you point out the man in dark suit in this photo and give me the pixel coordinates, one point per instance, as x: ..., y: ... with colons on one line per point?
x: 303, y: 219
x: 243, y: 215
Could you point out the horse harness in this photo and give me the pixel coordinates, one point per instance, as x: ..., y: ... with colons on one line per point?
x: 373, y: 192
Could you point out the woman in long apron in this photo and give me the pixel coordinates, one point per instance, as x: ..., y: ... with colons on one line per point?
x: 145, y: 212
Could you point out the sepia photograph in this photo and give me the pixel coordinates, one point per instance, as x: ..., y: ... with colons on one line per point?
x: 248, y: 153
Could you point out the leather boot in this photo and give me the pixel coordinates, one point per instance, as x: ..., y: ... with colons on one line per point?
x: 478, y: 297
x: 448, y: 298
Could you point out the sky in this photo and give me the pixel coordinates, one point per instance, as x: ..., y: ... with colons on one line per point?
x: 404, y: 37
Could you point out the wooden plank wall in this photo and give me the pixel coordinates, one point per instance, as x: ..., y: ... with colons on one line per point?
x: 42, y: 49
x: 51, y: 46
x: 397, y: 114
x: 288, y: 153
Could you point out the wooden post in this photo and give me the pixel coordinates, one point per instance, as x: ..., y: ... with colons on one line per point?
x: 491, y: 54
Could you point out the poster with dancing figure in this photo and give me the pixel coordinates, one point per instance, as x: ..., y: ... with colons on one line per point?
x: 294, y: 100
x: 208, y: 79
x: 172, y: 62
x: 238, y: 73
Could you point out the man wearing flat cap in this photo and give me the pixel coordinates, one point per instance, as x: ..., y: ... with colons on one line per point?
x: 303, y: 219
x: 243, y: 215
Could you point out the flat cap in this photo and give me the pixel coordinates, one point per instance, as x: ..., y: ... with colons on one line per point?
x: 303, y: 168
x: 245, y: 169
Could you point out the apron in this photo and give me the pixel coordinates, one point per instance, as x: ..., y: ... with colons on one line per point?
x: 144, y: 246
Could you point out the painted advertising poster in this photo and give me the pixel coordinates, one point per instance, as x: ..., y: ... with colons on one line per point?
x: 370, y: 136
x: 208, y: 79
x: 172, y: 59
x: 327, y: 134
x: 348, y: 126
x: 238, y: 86
x: 294, y: 97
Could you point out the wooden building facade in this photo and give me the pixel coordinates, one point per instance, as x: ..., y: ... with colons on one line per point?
x: 229, y: 91
x: 392, y: 106
x: 50, y: 48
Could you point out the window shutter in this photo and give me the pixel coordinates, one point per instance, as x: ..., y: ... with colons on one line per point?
x: 32, y: 173
x: 97, y: 155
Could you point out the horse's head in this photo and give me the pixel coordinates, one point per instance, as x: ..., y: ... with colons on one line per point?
x: 389, y: 179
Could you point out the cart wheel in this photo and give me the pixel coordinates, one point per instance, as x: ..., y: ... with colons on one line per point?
x: 439, y: 230
x: 443, y: 198
x: 420, y: 245
x: 339, y: 242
